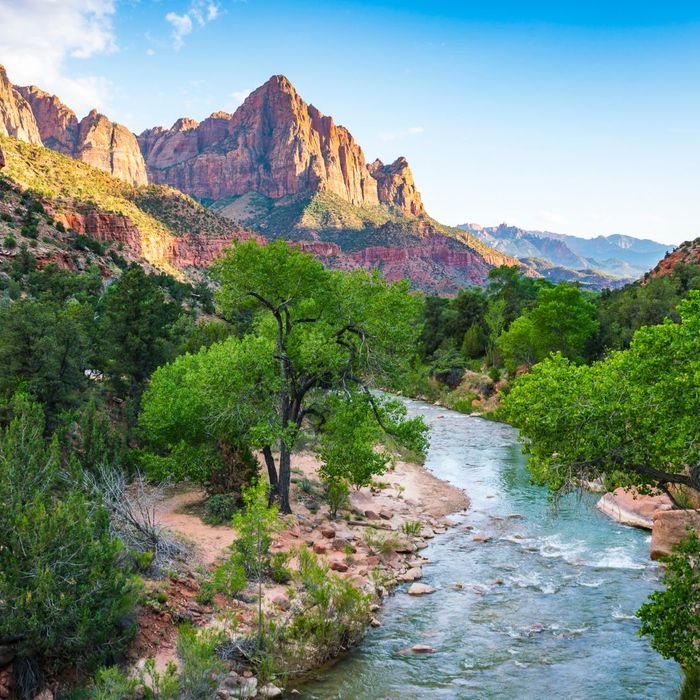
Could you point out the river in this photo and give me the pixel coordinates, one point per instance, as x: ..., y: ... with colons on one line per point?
x: 547, y: 604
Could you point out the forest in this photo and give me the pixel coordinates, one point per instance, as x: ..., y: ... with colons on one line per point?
x: 108, y: 386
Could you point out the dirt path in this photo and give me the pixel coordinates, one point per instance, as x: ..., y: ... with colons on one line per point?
x: 209, y: 542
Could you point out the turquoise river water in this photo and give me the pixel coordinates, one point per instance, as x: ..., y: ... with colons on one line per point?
x: 561, y: 625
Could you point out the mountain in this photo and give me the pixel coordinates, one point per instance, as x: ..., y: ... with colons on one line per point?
x: 32, y: 115
x: 276, y: 145
x: 155, y: 226
x: 277, y: 166
x: 687, y: 253
x: 620, y: 257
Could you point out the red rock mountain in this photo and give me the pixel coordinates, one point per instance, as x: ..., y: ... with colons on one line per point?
x: 276, y: 145
x: 16, y: 117
x: 32, y: 115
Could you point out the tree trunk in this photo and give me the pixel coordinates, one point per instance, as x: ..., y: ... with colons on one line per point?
x: 271, y: 472
x: 285, y: 477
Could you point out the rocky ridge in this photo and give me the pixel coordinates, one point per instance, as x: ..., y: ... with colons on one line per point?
x: 32, y: 115
x: 277, y: 145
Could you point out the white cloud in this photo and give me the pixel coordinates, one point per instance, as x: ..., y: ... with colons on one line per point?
x: 200, y: 11
x: 36, y: 37
x: 404, y: 133
x: 182, y: 26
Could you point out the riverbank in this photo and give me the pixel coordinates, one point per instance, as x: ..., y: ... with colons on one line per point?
x: 375, y: 544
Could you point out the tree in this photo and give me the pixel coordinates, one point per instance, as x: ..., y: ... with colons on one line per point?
x: 63, y: 597
x: 672, y: 616
x: 631, y: 418
x: 43, y: 348
x: 327, y: 331
x: 562, y: 321
x: 205, y: 411
x: 473, y: 342
x: 134, y: 331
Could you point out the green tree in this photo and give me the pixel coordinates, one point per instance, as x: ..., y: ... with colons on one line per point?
x: 631, y: 418
x: 562, y: 321
x: 671, y: 617
x: 473, y: 342
x: 328, y: 331
x: 204, y: 411
x: 63, y: 597
x: 43, y: 349
x: 134, y: 331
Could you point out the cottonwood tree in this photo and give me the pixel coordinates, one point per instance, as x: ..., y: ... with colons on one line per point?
x: 323, y: 331
x: 632, y: 418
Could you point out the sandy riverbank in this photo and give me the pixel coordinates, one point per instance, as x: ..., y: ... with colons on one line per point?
x: 367, y: 545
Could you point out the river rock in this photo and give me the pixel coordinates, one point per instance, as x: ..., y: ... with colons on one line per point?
x: 339, y: 566
x: 374, y: 622
x: 669, y: 528
x: 422, y: 649
x: 628, y: 507
x: 269, y: 691
x: 328, y: 531
x: 420, y: 589
x: 480, y: 538
x: 413, y: 574
x: 320, y: 548
x: 404, y: 546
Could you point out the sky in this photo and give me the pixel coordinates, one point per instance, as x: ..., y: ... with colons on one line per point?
x: 575, y: 117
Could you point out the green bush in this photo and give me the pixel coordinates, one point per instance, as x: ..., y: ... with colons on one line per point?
x: 220, y: 508
x: 30, y: 231
x: 83, y: 242
x: 201, y: 669
x: 337, y: 496
x: 5, y: 216
x: 672, y: 616
x: 10, y: 242
x: 65, y: 597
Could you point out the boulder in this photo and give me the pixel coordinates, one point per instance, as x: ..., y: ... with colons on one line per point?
x: 371, y: 515
x: 422, y: 649
x: 669, y: 528
x: 628, y: 507
x: 328, y: 531
x: 320, y: 547
x: 269, y: 691
x: 413, y: 574
x: 420, y: 589
x: 281, y: 601
x: 340, y: 566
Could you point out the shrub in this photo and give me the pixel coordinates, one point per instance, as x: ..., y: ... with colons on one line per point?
x: 220, y: 508
x: 378, y: 541
x: 201, y: 668
x: 412, y: 528
x: 10, y: 242
x: 337, y: 493
x: 5, y: 216
x: 60, y: 227
x: 66, y: 599
x: 29, y: 231
x: 83, y: 242
x: 672, y: 616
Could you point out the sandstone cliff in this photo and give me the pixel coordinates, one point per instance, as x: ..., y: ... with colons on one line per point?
x: 396, y: 188
x: 16, y: 117
x: 32, y: 115
x: 57, y: 124
x: 112, y: 148
x: 274, y: 144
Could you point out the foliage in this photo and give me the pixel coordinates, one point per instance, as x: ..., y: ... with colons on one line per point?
x: 333, y: 617
x: 204, y: 410
x: 326, y: 331
x: 412, y: 528
x: 64, y: 596
x: 582, y: 422
x: 671, y: 617
x: 337, y: 495
x: 201, y: 668
x: 562, y: 321
x: 134, y: 330
x: 220, y: 508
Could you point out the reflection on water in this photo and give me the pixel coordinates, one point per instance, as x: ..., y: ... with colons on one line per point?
x: 547, y: 605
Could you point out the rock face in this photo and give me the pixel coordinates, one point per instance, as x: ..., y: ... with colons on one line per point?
x: 631, y: 508
x: 32, y: 115
x: 277, y: 145
x: 274, y: 144
x: 16, y: 117
x: 396, y: 188
x: 2, y: 159
x: 670, y: 527
x: 110, y: 147
x: 57, y: 124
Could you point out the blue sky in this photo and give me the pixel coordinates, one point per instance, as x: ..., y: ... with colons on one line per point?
x: 576, y: 117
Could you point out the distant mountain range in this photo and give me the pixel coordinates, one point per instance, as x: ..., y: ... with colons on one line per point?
x: 277, y: 167
x: 614, y: 257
